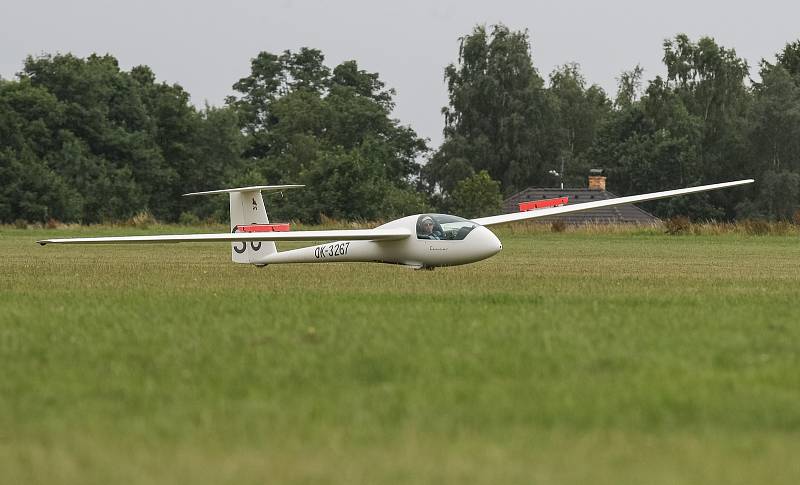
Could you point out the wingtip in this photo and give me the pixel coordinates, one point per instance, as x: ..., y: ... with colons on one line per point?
x: 42, y: 243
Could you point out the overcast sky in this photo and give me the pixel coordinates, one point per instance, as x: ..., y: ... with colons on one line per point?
x: 206, y: 45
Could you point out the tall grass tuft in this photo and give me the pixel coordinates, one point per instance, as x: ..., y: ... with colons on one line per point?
x: 142, y: 220
x: 558, y: 225
x: 678, y: 225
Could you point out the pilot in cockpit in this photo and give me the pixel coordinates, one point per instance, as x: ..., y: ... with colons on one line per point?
x: 427, y: 229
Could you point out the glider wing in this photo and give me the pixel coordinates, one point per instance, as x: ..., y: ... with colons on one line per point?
x: 335, y: 235
x: 552, y: 211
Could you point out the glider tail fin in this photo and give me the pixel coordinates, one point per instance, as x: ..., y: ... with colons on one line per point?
x: 247, y: 208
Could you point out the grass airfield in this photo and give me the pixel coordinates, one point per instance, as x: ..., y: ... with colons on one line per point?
x: 578, y: 357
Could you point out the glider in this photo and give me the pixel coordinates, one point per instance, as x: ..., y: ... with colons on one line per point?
x: 418, y: 241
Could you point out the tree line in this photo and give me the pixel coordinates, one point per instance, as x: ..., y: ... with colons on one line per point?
x: 82, y: 140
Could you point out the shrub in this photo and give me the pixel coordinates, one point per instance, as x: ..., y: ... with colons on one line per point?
x: 781, y: 228
x: 21, y: 224
x: 188, y: 219
x: 476, y: 196
x: 143, y: 220
x: 558, y: 225
x: 756, y: 227
x: 678, y: 225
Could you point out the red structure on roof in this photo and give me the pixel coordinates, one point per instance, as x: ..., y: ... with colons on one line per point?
x: 540, y: 204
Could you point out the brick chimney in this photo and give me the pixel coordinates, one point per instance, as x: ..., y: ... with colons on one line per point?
x: 597, y: 179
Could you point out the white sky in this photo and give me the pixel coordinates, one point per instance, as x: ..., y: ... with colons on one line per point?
x: 206, y: 46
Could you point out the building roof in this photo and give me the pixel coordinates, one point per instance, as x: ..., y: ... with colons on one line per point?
x: 623, y: 214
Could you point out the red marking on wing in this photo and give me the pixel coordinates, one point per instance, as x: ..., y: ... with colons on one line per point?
x: 282, y: 227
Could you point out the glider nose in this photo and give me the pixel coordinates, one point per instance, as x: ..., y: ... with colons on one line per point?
x: 496, y: 244
x: 490, y: 242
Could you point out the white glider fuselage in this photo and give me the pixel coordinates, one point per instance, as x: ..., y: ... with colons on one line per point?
x: 416, y: 251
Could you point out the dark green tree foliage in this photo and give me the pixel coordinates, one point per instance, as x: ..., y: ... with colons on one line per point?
x: 503, y: 119
x: 629, y: 84
x: 709, y: 80
x: 105, y: 144
x: 775, y: 119
x: 649, y: 144
x: 83, y: 140
x: 789, y: 59
x: 702, y: 123
x: 29, y: 188
x: 498, y: 117
x: 774, y: 124
x: 687, y: 129
x: 331, y: 130
x: 580, y: 112
x: 476, y: 196
x: 779, y: 194
x: 32, y: 191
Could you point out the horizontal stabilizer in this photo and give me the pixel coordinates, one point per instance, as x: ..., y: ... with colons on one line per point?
x: 260, y: 188
x: 335, y: 235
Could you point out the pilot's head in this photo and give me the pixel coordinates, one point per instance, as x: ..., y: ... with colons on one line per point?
x: 426, y: 225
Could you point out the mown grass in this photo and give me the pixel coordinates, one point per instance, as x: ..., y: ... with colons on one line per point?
x: 577, y: 357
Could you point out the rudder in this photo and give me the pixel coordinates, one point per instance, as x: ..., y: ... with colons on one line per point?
x: 247, y: 207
